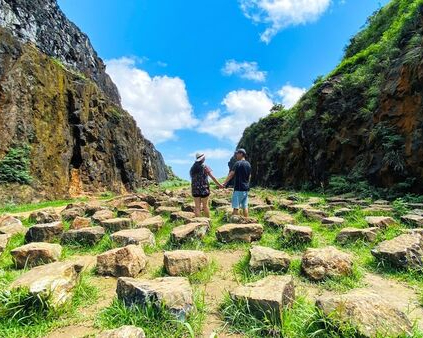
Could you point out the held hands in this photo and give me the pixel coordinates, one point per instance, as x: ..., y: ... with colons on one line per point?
x: 221, y: 186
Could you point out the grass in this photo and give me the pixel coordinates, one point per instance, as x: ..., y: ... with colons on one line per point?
x: 71, y: 249
x: 203, y: 276
x: 23, y: 314
x: 15, y: 208
x: 155, y: 321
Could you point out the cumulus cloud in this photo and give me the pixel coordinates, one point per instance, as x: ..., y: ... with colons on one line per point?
x: 290, y: 95
x: 159, y: 104
x: 241, y: 108
x: 280, y: 14
x: 245, y: 70
x: 214, y: 154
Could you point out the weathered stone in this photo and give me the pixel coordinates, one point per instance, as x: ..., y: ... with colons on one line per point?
x: 262, y: 207
x: 277, y: 219
x: 297, y: 234
x: 190, y: 231
x: 34, y: 254
x: 128, y: 261
x: 69, y: 214
x: 204, y: 220
x: 167, y: 210
x: 184, y: 262
x: 377, y: 208
x: 321, y: 263
x: 368, y: 313
x: 342, y: 212
x: 122, y: 201
x: 183, y: 216
x: 413, y: 220
x: 268, y: 296
x: 263, y: 258
x: 174, y: 293
x: 126, y: 331
x: 48, y: 232
x: 116, y: 224
x: 139, y: 205
x: 404, y: 251
x: 141, y: 236
x: 239, y: 232
x: 354, y: 234
x: 84, y: 236
x: 11, y: 226
x: 55, y: 279
x: 238, y: 219
x: 379, y: 221
x: 188, y: 207
x: 333, y: 221
x: 219, y: 202
x: 92, y: 207
x: 315, y: 213
x: 152, y: 223
x: 44, y: 216
x: 102, y: 215
x: 80, y: 222
x: 4, y: 240
x: 136, y: 215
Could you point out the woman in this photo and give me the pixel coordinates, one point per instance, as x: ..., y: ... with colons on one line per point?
x: 200, y: 186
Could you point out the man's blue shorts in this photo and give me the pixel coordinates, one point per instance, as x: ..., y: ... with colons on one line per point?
x: 240, y: 200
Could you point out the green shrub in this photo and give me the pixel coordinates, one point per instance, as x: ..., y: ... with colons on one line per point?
x: 14, y: 167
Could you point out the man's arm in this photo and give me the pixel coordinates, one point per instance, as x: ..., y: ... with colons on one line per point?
x: 230, y: 176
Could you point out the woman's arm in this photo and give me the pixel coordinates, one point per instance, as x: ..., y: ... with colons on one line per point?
x: 215, y: 180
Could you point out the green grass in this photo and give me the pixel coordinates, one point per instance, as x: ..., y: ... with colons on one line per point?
x: 23, y: 314
x: 203, y: 276
x: 71, y: 249
x: 16, y: 208
x: 155, y: 321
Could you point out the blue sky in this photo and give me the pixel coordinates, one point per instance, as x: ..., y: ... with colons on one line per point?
x: 194, y: 74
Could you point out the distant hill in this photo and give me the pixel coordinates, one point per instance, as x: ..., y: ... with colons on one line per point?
x: 63, y: 130
x: 361, y: 125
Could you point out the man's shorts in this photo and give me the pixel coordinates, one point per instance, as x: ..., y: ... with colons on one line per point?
x: 240, y: 200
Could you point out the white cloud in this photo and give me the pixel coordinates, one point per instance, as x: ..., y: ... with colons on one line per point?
x: 242, y: 108
x: 214, y: 154
x: 279, y: 14
x: 179, y: 161
x: 159, y: 104
x: 245, y: 70
x: 290, y: 95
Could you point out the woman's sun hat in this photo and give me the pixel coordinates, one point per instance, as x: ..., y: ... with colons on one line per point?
x: 199, y: 157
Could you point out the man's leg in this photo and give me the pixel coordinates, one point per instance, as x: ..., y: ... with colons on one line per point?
x: 235, y: 203
x: 245, y: 205
x: 206, y: 209
x: 197, y: 207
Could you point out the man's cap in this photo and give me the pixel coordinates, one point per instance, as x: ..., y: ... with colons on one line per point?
x: 241, y: 151
x: 199, y: 157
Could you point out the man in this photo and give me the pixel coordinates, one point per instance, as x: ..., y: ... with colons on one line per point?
x: 230, y: 165
x: 241, y: 173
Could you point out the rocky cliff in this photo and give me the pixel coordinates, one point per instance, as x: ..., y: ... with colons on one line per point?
x: 63, y: 130
x: 360, y: 126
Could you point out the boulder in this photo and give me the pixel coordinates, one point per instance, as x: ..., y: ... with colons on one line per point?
x: 204, y: 220
x: 184, y: 262
x: 379, y: 221
x: 219, y: 202
x: 102, y: 215
x: 413, y: 220
x: 183, y: 216
x: 116, y: 224
x: 136, y: 215
x: 139, y: 205
x: 342, y: 212
x: 268, y: 296
x: 11, y: 226
x: 239, y: 232
x: 354, y: 234
x: 4, y: 240
x: 141, y: 236
x: 297, y: 234
x: 174, y: 293
x: 34, y: 254
x: 128, y: 261
x: 69, y: 214
x: 336, y: 221
x: 404, y: 251
x: 262, y: 208
x: 44, y: 216
x: 127, y: 331
x: 238, y: 219
x: 153, y: 223
x: 55, y: 279
x: 92, y: 207
x: 167, y: 210
x: 188, y: 207
x: 319, y: 264
x: 366, y: 312
x: 190, y: 231
x: 84, y: 236
x: 263, y: 258
x: 80, y: 222
x: 48, y: 232
x: 277, y: 219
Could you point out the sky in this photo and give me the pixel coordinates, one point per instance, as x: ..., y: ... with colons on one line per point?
x: 194, y: 74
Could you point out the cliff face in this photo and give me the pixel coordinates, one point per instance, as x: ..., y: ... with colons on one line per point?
x: 361, y: 125
x: 57, y: 101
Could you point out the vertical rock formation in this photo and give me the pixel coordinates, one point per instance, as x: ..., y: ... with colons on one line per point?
x: 56, y: 98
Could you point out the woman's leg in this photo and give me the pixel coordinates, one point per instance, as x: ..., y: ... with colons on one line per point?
x: 197, y: 207
x: 206, y: 209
